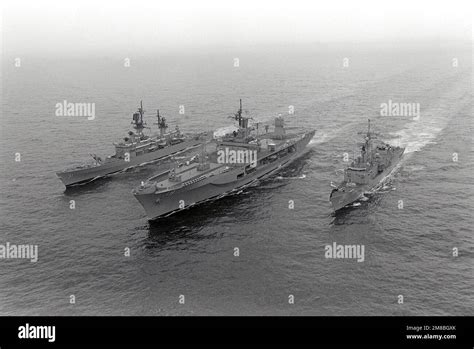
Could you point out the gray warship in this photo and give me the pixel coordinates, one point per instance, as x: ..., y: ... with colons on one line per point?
x: 135, y: 149
x: 210, y: 176
x: 376, y: 160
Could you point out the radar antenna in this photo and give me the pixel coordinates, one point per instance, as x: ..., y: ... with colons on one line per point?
x: 161, y: 122
x: 137, y: 119
x: 243, y: 120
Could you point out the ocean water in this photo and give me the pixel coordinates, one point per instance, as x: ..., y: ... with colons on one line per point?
x: 408, y: 251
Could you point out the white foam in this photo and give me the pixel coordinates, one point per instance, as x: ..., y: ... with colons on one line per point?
x: 418, y: 134
x: 321, y: 137
x: 222, y: 131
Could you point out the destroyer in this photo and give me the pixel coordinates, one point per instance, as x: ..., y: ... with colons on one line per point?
x: 366, y: 172
x: 207, y: 178
x: 135, y: 149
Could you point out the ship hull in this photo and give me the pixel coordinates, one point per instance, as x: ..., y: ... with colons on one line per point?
x: 345, y: 195
x: 110, y: 166
x: 157, y: 204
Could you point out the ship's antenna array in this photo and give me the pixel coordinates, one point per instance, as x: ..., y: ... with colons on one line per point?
x: 238, y: 115
x: 137, y: 119
x: 161, y: 122
x: 243, y: 120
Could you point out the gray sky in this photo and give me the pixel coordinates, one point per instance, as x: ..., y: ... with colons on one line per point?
x: 105, y: 26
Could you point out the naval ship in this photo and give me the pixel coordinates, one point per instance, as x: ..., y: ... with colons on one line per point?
x: 376, y: 160
x: 213, y: 176
x: 135, y: 149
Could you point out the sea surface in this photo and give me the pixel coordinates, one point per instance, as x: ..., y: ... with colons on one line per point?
x: 333, y: 89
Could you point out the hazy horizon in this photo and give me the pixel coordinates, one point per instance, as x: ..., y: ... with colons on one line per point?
x: 135, y: 28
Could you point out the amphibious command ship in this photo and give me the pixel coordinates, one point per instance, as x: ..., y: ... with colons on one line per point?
x: 135, y: 149
x: 366, y: 172
x: 239, y: 159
